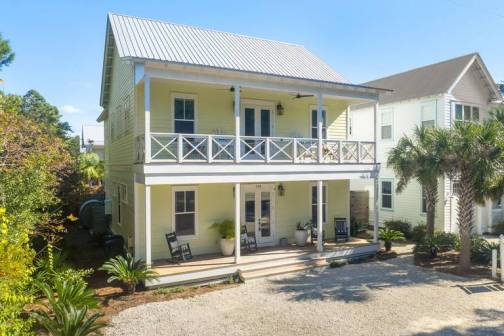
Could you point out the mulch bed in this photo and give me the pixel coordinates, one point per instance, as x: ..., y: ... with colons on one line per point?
x: 448, y: 262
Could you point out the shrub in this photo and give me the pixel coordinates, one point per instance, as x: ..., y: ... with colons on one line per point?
x: 418, y: 232
x: 357, y: 227
x: 128, y: 271
x: 399, y: 225
x: 481, y: 249
x: 69, y: 292
x: 68, y: 320
x: 225, y: 228
x: 447, y: 241
x: 439, y: 242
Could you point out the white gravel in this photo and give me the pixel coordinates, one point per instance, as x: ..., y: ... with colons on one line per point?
x: 379, y: 298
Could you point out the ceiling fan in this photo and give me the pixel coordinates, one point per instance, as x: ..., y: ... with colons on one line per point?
x: 299, y: 95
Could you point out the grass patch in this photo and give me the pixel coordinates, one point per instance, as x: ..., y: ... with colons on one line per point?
x: 169, y: 290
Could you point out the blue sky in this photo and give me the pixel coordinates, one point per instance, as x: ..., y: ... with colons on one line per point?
x: 59, y: 44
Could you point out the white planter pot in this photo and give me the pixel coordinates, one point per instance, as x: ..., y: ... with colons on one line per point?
x: 301, y: 236
x: 227, y: 247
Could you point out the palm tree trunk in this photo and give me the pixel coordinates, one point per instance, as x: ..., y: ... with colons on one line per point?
x: 465, y: 217
x: 431, y: 194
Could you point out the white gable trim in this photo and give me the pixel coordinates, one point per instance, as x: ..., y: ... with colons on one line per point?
x: 459, y: 77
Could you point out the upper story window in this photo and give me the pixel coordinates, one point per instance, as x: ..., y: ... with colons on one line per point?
x: 387, y: 125
x: 184, y: 114
x: 467, y: 112
x: 314, y: 120
x: 428, y: 114
x: 386, y: 193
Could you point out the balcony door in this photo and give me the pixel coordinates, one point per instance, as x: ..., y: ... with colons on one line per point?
x: 258, y: 211
x: 256, y: 121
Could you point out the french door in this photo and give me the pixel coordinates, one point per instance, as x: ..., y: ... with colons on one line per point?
x: 258, y: 211
x: 256, y: 122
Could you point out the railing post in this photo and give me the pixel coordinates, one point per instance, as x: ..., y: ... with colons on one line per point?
x: 237, y: 122
x: 375, y: 116
x: 268, y: 151
x: 209, y: 149
x: 340, y: 151
x: 358, y: 151
x: 180, y: 148
x: 147, y: 107
x: 319, y: 125
x: 294, y: 150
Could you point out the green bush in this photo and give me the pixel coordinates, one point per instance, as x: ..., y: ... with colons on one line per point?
x: 481, y: 249
x: 357, y: 227
x: 69, y: 292
x: 68, y: 320
x: 439, y: 242
x: 447, y: 241
x: 418, y: 232
x: 399, y: 225
x: 225, y: 228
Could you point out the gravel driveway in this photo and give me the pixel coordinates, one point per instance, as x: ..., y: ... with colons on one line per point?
x: 378, y: 298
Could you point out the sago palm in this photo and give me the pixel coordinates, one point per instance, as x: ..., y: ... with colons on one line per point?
x: 420, y: 157
x: 128, y: 271
x: 68, y: 292
x: 68, y: 320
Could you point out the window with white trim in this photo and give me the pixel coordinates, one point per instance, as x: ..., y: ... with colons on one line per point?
x: 428, y: 114
x: 386, y: 194
x: 184, y: 114
x: 121, y: 196
x: 314, y: 124
x: 387, y: 125
x: 184, y: 211
x: 467, y: 113
x: 314, y: 209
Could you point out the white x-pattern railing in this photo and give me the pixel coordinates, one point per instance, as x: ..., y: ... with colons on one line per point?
x: 168, y: 147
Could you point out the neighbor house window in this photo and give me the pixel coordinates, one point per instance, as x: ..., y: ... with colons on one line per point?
x: 386, y: 194
x: 314, y: 126
x: 387, y: 129
x: 467, y: 113
x: 184, y: 211
x: 428, y: 114
x: 314, y: 212
x: 424, y: 201
x: 184, y: 114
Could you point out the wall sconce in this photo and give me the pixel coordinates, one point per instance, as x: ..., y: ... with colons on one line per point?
x: 280, y: 109
x: 281, y: 189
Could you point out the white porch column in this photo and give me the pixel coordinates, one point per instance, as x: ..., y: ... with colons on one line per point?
x: 237, y: 122
x: 375, y: 117
x: 237, y: 197
x: 320, y: 216
x: 148, y: 230
x: 319, y: 125
x: 376, y: 210
x: 147, y: 107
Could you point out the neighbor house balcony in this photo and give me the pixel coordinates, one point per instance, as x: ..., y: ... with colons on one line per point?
x: 213, y: 148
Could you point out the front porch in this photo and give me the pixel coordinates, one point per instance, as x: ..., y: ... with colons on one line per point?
x: 265, y: 261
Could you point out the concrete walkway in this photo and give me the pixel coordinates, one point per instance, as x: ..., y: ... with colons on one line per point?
x: 379, y: 298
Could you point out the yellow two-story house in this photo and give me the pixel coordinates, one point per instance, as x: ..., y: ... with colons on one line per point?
x: 203, y: 126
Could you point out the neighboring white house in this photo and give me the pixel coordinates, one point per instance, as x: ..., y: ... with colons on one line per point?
x: 433, y: 95
x: 92, y: 139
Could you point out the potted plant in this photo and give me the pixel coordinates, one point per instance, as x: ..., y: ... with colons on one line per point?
x: 226, y: 232
x: 301, y: 234
x: 388, y: 236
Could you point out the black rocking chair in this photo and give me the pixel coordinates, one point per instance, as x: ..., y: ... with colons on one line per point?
x: 314, y: 233
x: 340, y: 229
x: 178, y: 251
x: 248, y: 239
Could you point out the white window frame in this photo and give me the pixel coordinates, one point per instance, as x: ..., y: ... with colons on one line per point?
x: 463, y: 104
x: 185, y: 96
x: 196, y: 211
x: 382, y: 124
x: 324, y: 208
x: 392, y: 201
x: 326, y: 111
x: 431, y: 103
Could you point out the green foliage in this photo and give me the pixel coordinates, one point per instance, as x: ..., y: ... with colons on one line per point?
x: 418, y: 232
x: 68, y: 292
x: 68, y: 320
x: 169, y: 290
x: 402, y: 226
x: 6, y: 53
x: 389, y: 235
x: 303, y: 227
x: 91, y: 168
x: 128, y: 271
x: 357, y: 227
x: 225, y: 228
x: 439, y: 242
x: 15, y: 276
x: 337, y: 263
x: 481, y: 249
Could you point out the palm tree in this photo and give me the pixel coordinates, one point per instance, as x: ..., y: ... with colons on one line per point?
x: 91, y: 168
x: 420, y: 157
x: 475, y: 159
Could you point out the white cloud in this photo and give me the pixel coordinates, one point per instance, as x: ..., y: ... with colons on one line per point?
x: 70, y: 109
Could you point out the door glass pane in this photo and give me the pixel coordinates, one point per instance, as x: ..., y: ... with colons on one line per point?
x: 265, y: 227
x: 249, y: 121
x: 265, y: 122
x: 250, y: 207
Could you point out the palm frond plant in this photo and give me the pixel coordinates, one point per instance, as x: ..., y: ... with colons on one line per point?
x: 128, y: 271
x: 420, y: 158
x: 388, y: 236
x: 225, y: 229
x: 69, y: 320
x: 68, y: 292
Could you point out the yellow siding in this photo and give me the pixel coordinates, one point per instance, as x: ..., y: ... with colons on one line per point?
x: 216, y: 202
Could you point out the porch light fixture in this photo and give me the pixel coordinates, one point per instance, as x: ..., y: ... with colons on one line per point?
x: 281, y: 189
x: 280, y: 109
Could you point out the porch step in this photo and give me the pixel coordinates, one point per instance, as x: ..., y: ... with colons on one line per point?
x: 287, y: 268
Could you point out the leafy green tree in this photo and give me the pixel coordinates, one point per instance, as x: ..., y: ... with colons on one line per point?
x: 91, y: 168
x: 421, y: 158
x: 6, y: 54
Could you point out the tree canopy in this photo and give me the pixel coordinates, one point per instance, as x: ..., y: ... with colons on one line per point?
x: 6, y: 53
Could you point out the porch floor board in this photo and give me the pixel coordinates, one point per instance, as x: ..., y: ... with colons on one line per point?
x: 265, y: 254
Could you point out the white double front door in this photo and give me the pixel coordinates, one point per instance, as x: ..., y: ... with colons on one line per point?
x: 258, y: 211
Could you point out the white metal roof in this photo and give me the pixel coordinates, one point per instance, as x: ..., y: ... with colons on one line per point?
x: 148, y: 39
